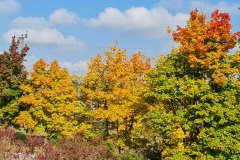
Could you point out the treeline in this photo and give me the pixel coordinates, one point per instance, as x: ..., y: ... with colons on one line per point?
x: 187, y: 106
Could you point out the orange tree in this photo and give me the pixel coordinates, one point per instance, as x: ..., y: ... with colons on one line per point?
x: 195, y: 92
x: 50, y: 102
x: 111, y: 90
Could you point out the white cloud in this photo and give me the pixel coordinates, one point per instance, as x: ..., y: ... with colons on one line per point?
x: 30, y: 22
x: 42, y: 32
x: 45, y: 36
x: 78, y: 68
x: 9, y: 6
x: 222, y: 6
x: 63, y: 16
x: 151, y: 23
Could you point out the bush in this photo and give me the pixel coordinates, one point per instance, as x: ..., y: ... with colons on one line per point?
x: 81, y: 148
x: 19, y: 146
x: 13, y: 148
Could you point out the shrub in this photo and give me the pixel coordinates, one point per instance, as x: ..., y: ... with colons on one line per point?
x: 40, y: 148
x: 81, y: 148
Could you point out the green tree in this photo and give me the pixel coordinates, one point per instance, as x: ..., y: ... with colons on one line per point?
x: 12, y: 74
x: 195, y: 92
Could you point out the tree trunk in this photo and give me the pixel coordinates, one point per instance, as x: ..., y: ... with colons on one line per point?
x: 106, y: 132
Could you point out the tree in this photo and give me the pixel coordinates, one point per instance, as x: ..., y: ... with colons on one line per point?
x: 12, y: 74
x: 111, y: 90
x: 50, y: 102
x: 195, y: 92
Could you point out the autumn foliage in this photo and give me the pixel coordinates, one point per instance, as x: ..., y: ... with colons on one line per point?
x: 195, y: 92
x: 205, y: 43
x: 50, y: 102
x: 186, y: 106
x: 111, y: 90
x: 12, y: 74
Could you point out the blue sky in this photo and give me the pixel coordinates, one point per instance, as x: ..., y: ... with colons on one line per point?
x: 73, y: 32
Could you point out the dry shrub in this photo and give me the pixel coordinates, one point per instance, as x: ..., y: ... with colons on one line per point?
x: 9, y: 145
x: 39, y: 148
x: 81, y: 148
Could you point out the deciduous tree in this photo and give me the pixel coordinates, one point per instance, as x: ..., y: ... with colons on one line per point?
x: 50, y: 102
x: 12, y: 74
x: 195, y: 92
x: 111, y: 90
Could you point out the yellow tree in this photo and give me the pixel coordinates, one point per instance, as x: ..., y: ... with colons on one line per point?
x: 111, y: 90
x: 50, y: 102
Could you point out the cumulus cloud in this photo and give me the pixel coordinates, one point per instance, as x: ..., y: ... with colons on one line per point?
x: 222, y: 6
x: 30, y: 22
x: 63, y: 16
x: 9, y: 6
x: 46, y: 36
x: 78, y: 68
x: 42, y: 32
x: 151, y: 23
